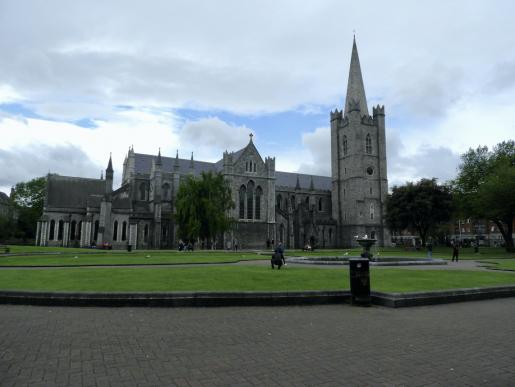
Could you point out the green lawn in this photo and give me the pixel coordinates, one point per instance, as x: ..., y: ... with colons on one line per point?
x: 240, y: 278
x: 502, y: 264
x: 123, y: 257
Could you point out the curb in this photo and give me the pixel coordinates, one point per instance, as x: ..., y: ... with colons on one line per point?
x: 206, y: 299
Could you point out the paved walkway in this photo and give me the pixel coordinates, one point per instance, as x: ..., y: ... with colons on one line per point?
x: 457, y: 344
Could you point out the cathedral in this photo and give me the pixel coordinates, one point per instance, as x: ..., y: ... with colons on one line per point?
x: 293, y: 208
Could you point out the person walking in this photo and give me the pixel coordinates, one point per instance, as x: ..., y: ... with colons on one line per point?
x: 455, y: 251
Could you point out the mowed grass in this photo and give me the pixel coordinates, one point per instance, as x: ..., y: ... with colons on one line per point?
x: 125, y: 258
x: 501, y: 264
x: 240, y: 278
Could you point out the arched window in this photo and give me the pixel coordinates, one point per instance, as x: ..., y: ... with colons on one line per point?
x: 292, y: 200
x: 279, y: 202
x: 79, y: 232
x: 259, y: 193
x: 243, y: 191
x: 250, y: 200
x: 166, y: 191
x: 307, y: 201
x: 368, y: 144
x: 344, y: 145
x: 52, y: 230
x: 95, y: 231
x: 371, y: 210
x: 60, y: 229
x: 320, y: 204
x: 124, y: 231
x: 115, y: 230
x: 73, y: 228
x: 145, y: 233
x: 330, y: 233
x: 143, y: 191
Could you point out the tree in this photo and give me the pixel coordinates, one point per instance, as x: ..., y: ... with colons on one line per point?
x: 203, y: 206
x: 421, y: 206
x: 485, y: 187
x: 28, y: 198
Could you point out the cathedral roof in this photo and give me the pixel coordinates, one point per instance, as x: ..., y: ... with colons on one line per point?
x: 356, y: 98
x: 289, y: 180
x: 72, y: 192
x: 143, y: 164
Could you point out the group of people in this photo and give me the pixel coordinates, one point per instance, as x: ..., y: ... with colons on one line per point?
x: 455, y: 250
x: 185, y: 246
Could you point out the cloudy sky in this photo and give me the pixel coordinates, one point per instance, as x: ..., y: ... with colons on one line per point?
x: 82, y: 79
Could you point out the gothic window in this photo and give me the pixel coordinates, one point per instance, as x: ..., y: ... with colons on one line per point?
x: 370, y: 190
x: 246, y: 166
x: 72, y: 230
x: 292, y: 200
x: 307, y: 201
x: 373, y: 235
x: 79, y: 232
x: 60, y: 230
x: 259, y: 194
x: 368, y: 144
x: 52, y: 230
x: 344, y: 145
x: 95, y: 233
x: 371, y: 210
x: 250, y: 200
x: 164, y: 231
x: 145, y: 233
x: 124, y: 231
x: 330, y: 233
x: 115, y: 230
x: 279, y: 202
x: 242, y: 201
x: 142, y: 191
x: 254, y: 167
x: 166, y: 191
x: 320, y: 204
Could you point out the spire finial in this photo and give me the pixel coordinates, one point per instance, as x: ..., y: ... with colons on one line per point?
x: 251, y: 135
x: 158, y: 160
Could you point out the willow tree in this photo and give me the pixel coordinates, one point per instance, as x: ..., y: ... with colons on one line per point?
x: 203, y: 207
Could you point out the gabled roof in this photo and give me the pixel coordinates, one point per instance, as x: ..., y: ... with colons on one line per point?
x: 72, y: 192
x: 289, y: 180
x: 143, y: 164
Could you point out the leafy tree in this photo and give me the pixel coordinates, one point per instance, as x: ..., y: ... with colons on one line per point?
x: 28, y: 198
x: 421, y: 206
x: 485, y: 187
x: 203, y: 206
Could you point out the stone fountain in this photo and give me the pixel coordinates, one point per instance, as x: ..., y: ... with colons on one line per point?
x: 366, y: 243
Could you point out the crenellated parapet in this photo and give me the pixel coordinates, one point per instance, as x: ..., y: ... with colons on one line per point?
x: 336, y: 115
x: 378, y: 110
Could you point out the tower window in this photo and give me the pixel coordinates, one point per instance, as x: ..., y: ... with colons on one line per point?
x: 368, y: 144
x: 243, y: 191
x: 344, y: 145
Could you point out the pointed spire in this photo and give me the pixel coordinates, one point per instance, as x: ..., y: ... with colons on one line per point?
x: 158, y: 160
x: 101, y: 175
x: 110, y: 164
x: 297, y: 185
x: 356, y: 98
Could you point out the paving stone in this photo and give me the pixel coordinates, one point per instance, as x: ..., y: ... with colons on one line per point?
x: 469, y: 343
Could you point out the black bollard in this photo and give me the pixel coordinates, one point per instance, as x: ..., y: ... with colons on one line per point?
x: 360, y: 281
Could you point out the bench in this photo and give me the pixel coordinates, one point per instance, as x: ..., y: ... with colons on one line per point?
x: 6, y: 249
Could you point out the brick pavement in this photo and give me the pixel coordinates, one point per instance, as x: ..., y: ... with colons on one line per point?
x: 469, y: 343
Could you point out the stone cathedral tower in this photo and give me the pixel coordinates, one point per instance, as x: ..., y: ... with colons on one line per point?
x: 358, y: 164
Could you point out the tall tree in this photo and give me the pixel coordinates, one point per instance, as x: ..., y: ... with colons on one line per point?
x: 485, y: 187
x: 203, y: 206
x: 28, y: 198
x: 421, y: 206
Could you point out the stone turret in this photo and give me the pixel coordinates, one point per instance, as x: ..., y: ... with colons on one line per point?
x: 109, y: 176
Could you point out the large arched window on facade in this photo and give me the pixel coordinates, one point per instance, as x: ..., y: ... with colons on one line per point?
x: 52, y: 230
x: 368, y: 144
x: 73, y: 228
x: 345, y: 145
x: 242, y: 195
x: 279, y: 202
x: 143, y: 191
x: 124, y: 231
x: 95, y: 230
x: 259, y: 194
x: 250, y: 200
x: 115, y: 230
x: 166, y: 191
x: 60, y: 230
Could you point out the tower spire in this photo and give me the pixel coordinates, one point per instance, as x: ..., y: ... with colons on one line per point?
x: 356, y: 98
x: 110, y: 164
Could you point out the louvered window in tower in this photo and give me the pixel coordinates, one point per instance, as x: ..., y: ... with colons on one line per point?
x: 368, y: 144
x: 344, y: 145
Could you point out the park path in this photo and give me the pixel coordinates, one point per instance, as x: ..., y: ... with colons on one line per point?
x: 471, y: 343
